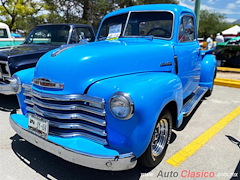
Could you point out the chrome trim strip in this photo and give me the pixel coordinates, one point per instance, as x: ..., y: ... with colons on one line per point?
x: 78, y: 126
x: 81, y: 134
x: 69, y: 107
x: 103, y: 162
x: 70, y: 116
x: 27, y: 94
x: 63, y: 48
x: 27, y: 86
x: 28, y: 101
x: 69, y: 97
x: 30, y: 109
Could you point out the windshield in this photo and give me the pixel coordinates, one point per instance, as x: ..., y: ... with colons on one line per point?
x: 139, y: 24
x: 50, y: 34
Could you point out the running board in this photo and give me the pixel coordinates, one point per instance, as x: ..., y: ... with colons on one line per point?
x: 193, y: 101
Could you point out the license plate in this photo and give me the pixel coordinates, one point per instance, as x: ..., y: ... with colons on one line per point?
x: 38, y: 125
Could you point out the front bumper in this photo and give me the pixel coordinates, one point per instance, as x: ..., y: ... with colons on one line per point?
x: 115, y: 162
x: 8, y: 88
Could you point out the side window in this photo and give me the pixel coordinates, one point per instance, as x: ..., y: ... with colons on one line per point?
x: 186, y: 29
x: 81, y: 33
x: 3, y: 33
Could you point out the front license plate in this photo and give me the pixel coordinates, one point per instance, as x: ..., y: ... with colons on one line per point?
x: 38, y: 126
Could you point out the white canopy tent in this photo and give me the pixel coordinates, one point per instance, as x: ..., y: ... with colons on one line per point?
x: 232, y: 31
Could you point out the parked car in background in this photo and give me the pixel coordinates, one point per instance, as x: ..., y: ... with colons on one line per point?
x: 41, y: 39
x: 5, y: 37
x: 118, y: 99
x: 228, y: 53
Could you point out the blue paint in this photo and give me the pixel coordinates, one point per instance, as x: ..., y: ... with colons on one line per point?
x: 131, y: 65
x: 104, y: 61
x: 208, y: 70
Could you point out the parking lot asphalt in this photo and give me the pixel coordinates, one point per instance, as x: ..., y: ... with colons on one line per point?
x: 217, y: 158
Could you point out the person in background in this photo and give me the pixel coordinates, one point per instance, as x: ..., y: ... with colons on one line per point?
x: 219, y: 38
x: 210, y: 42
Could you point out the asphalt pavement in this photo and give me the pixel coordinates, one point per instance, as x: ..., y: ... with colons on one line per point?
x: 218, y: 158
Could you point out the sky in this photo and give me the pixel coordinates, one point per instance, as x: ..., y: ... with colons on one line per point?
x: 230, y: 8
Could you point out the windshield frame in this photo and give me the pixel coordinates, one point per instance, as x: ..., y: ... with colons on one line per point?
x: 128, y: 18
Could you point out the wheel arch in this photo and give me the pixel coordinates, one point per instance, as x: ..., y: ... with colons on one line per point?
x: 208, y: 69
x: 172, y: 107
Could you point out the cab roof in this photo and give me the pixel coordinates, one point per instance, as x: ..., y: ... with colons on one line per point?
x: 176, y: 9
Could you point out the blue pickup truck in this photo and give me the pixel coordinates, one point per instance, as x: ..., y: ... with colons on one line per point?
x: 116, y: 102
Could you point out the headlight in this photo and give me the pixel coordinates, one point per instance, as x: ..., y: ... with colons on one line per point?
x: 121, y: 105
x: 15, y: 84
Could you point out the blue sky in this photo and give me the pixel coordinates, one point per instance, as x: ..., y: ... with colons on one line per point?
x: 230, y: 8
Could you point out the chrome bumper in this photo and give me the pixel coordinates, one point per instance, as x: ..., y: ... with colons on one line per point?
x: 8, y: 88
x: 110, y: 163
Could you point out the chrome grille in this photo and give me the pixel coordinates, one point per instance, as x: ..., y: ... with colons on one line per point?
x: 69, y: 115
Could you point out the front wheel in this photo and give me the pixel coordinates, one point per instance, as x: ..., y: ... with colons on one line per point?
x: 159, y: 141
x: 208, y: 93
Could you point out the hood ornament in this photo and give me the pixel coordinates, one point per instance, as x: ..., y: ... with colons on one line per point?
x: 43, y: 82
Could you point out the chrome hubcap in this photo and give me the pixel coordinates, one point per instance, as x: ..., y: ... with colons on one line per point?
x: 159, y: 138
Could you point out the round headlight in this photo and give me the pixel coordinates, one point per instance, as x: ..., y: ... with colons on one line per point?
x: 121, y: 105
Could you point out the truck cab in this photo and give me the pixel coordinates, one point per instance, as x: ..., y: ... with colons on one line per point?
x: 5, y: 37
x: 116, y: 102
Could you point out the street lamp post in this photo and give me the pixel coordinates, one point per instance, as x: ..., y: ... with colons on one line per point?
x: 197, y: 10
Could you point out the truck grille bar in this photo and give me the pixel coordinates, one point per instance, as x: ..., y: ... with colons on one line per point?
x: 69, y: 115
x: 4, y: 70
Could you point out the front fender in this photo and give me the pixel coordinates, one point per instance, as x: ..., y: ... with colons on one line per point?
x: 25, y: 77
x: 150, y: 93
x: 208, y: 71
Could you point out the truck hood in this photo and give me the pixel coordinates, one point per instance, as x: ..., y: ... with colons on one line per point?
x: 24, y: 49
x: 80, y: 66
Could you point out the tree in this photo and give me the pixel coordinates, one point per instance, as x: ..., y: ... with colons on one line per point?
x: 13, y: 11
x: 63, y: 11
x: 95, y: 10
x: 89, y: 11
x: 211, y: 23
x: 78, y: 11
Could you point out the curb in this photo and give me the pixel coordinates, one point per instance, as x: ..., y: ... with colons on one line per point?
x: 227, y: 69
x: 227, y: 82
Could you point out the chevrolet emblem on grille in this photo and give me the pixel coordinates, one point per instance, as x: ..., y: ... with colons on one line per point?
x: 43, y: 82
